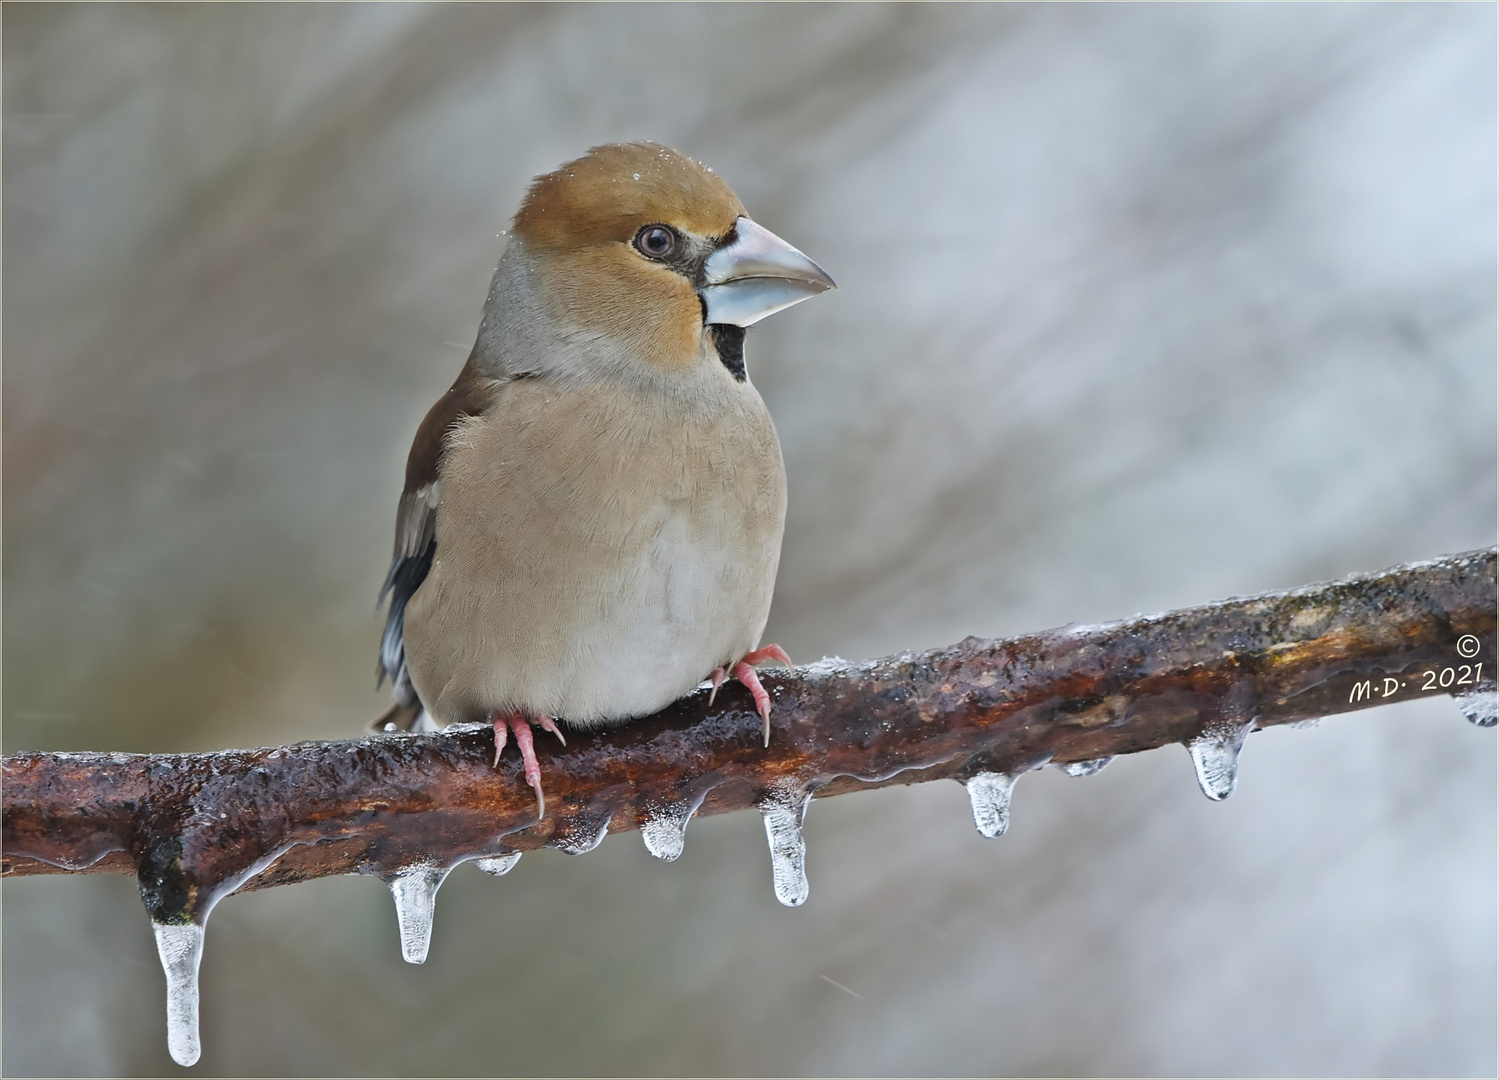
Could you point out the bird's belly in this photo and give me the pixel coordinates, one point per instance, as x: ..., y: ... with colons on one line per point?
x: 595, y: 640
x: 682, y: 610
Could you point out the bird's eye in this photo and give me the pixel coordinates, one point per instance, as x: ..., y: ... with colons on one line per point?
x: 655, y: 241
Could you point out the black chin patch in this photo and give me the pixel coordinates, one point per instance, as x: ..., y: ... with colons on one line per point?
x: 728, y: 340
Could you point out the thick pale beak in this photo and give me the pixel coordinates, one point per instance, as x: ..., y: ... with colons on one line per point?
x: 757, y: 275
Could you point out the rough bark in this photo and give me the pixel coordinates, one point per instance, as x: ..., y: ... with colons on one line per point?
x: 194, y: 827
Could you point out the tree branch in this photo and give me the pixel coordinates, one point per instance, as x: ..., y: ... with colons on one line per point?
x: 194, y: 827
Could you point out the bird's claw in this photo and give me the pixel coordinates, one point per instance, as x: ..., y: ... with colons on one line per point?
x: 744, y: 671
x: 520, y: 724
x: 717, y: 679
x: 770, y: 652
x: 547, y: 723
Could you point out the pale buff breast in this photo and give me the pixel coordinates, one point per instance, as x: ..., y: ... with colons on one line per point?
x: 598, y: 554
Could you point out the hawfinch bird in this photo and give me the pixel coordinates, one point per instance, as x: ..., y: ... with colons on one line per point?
x: 592, y: 516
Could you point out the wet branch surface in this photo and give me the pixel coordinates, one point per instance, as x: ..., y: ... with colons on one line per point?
x: 195, y: 827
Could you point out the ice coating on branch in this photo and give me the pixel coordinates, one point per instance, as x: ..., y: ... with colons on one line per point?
x: 415, y: 893
x: 1215, y: 756
x: 180, y: 946
x: 1085, y: 768
x: 783, y: 812
x: 1481, y: 706
x: 664, y: 829
x: 989, y: 794
x: 828, y: 665
x: 499, y: 865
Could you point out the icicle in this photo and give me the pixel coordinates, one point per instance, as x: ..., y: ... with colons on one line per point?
x: 499, y: 865
x: 582, y: 838
x: 783, y: 813
x: 1086, y: 768
x: 664, y: 829
x: 415, y: 893
x: 989, y: 793
x: 1215, y: 755
x: 180, y: 946
x: 1481, y: 706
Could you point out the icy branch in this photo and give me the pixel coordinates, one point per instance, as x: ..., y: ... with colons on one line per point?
x: 194, y: 827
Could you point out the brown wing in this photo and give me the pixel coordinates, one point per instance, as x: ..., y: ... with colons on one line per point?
x: 416, y: 528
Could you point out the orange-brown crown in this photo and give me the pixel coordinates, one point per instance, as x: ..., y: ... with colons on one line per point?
x: 611, y: 191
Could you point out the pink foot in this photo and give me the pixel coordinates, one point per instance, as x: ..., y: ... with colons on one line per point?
x: 745, y: 673
x: 770, y: 652
x: 520, y: 723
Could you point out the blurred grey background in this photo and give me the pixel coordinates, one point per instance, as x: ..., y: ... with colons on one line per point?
x: 1140, y: 307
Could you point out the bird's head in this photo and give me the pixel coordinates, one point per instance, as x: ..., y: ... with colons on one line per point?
x: 653, y: 251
